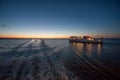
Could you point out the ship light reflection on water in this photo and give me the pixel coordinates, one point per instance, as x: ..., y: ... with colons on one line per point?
x: 99, y: 48
x: 87, y: 48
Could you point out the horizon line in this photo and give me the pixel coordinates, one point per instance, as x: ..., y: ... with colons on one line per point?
x: 59, y: 37
x: 43, y: 38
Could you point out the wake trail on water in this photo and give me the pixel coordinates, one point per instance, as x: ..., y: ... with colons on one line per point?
x: 36, y: 59
x: 35, y: 62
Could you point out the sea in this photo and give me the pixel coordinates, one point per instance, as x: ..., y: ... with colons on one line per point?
x: 59, y: 59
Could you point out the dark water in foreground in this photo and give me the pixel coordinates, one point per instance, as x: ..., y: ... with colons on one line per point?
x: 36, y: 59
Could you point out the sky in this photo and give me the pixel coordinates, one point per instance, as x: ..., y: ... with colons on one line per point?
x: 59, y: 18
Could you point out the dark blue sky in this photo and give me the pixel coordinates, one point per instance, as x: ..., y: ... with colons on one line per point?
x: 56, y: 18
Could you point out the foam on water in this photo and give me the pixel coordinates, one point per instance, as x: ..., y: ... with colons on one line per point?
x: 37, y: 59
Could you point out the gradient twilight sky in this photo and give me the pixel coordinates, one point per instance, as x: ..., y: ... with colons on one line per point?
x: 59, y: 18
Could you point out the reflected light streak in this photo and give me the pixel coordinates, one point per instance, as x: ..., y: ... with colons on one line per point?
x: 80, y: 47
x: 99, y: 48
x: 89, y: 46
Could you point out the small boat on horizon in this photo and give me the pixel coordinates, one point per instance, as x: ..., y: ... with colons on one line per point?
x: 86, y: 39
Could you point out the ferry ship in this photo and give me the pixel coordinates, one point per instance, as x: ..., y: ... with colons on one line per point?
x: 86, y: 39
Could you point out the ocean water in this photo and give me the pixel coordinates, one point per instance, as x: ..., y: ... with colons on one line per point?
x: 53, y: 59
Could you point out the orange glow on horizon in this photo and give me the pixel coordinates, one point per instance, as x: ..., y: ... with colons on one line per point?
x: 50, y: 36
x: 32, y: 36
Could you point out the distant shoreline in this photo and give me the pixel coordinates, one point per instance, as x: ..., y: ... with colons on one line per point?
x: 49, y: 38
x: 38, y: 38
